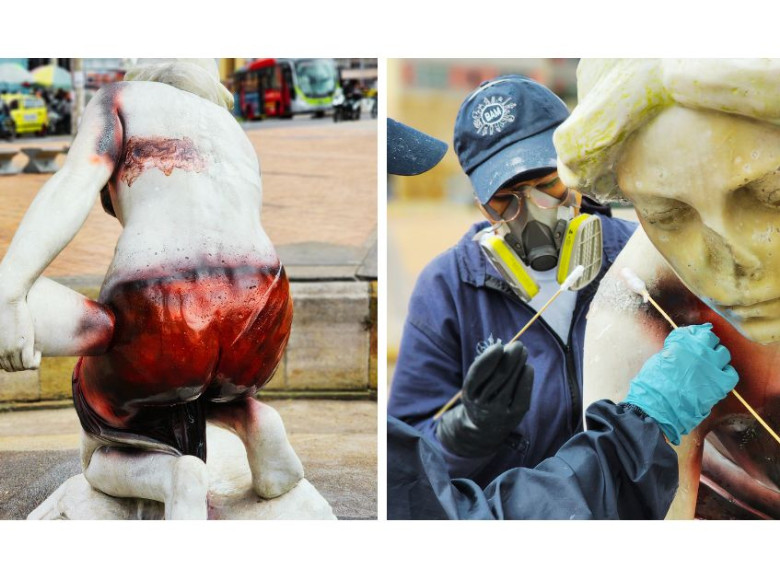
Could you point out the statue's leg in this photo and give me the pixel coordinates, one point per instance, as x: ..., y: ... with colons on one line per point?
x: 181, y: 483
x: 275, y: 467
x: 67, y: 323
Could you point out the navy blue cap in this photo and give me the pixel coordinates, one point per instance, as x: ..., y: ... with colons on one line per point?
x: 409, y: 151
x: 504, y: 129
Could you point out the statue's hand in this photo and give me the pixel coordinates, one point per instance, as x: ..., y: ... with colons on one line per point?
x: 17, y: 337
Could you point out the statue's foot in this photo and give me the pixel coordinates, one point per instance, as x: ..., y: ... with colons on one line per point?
x: 181, y: 483
x: 231, y: 495
x: 275, y: 467
x: 187, y: 498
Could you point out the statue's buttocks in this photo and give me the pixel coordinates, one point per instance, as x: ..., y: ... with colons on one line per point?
x: 199, y: 336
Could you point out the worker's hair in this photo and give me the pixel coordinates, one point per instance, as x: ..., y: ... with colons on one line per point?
x: 617, y: 97
x: 199, y: 76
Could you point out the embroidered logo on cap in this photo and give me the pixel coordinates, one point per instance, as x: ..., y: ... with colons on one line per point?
x: 492, y: 115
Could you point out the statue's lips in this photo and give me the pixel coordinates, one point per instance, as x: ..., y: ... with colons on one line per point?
x: 764, y: 309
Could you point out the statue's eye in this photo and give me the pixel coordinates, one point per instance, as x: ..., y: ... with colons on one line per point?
x: 770, y: 197
x: 766, y: 190
x: 666, y: 214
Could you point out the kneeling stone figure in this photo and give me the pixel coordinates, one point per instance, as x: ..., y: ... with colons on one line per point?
x: 195, y: 310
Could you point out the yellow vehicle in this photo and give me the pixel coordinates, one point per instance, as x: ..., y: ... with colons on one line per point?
x: 28, y: 112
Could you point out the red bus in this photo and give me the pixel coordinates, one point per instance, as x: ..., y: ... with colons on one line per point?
x: 283, y: 87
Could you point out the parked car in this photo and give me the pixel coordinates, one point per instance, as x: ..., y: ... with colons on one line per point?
x: 7, y: 125
x: 28, y: 113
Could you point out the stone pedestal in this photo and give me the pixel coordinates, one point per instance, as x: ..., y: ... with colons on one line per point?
x: 230, y: 494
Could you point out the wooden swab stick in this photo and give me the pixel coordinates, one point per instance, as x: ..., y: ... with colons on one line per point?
x: 759, y: 419
x: 635, y: 284
x: 575, y: 275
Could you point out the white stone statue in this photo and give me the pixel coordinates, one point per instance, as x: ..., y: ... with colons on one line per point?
x: 695, y: 146
x: 194, y: 312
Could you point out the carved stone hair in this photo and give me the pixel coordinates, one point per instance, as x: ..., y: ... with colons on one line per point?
x: 617, y: 97
x: 199, y: 76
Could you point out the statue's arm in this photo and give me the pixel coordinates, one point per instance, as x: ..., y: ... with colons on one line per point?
x: 621, y: 335
x: 52, y: 220
x: 618, y: 337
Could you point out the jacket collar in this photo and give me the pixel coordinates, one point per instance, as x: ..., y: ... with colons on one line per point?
x: 473, y: 266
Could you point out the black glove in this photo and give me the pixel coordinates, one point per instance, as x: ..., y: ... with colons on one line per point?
x: 496, y: 396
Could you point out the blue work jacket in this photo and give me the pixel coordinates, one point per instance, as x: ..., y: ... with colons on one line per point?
x: 621, y: 468
x: 459, y: 306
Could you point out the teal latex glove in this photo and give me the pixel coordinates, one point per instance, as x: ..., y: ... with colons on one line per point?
x: 679, y: 385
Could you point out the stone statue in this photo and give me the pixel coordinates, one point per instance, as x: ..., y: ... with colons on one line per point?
x: 695, y: 146
x: 195, y: 310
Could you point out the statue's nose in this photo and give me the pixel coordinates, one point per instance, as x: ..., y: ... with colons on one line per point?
x: 730, y: 256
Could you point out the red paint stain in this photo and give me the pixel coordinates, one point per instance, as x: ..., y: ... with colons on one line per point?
x: 182, y: 342
x: 142, y: 153
x: 96, y: 329
x: 736, y: 435
x: 757, y: 364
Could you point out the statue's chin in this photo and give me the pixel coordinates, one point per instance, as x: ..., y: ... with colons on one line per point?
x: 758, y: 323
x: 761, y: 330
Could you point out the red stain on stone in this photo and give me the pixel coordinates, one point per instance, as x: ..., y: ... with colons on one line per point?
x: 142, y: 153
x: 181, y: 342
x: 734, y: 432
x: 96, y: 329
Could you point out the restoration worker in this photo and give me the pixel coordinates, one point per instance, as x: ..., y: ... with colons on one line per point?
x: 473, y: 298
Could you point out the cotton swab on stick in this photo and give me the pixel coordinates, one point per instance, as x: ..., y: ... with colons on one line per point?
x: 575, y: 275
x: 635, y: 284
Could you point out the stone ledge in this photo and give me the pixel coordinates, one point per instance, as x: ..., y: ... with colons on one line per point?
x: 330, y: 339
x: 12, y: 406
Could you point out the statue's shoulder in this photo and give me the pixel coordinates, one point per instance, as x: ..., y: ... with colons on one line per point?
x: 642, y: 256
x: 646, y: 262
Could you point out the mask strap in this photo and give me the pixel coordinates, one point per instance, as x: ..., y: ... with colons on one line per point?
x: 575, y: 199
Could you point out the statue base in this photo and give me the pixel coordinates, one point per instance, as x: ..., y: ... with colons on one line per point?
x: 231, y: 496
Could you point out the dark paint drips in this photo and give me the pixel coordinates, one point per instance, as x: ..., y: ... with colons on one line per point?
x: 110, y: 138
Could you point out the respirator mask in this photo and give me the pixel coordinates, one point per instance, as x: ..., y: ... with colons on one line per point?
x: 535, y: 230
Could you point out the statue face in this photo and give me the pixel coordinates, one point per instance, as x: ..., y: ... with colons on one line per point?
x: 706, y: 187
